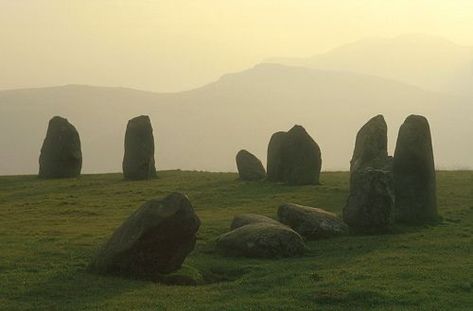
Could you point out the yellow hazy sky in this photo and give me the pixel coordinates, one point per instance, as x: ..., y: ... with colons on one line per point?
x: 175, y: 44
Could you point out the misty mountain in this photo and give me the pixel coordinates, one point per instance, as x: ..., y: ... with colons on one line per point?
x: 203, y: 129
x: 426, y: 61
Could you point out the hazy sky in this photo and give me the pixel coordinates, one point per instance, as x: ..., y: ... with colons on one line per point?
x: 175, y: 44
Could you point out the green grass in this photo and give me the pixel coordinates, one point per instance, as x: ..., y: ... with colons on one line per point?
x: 50, y: 229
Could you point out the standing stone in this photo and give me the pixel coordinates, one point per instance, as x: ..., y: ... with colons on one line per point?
x: 61, y: 155
x: 371, y: 146
x: 414, y: 172
x: 247, y: 219
x: 138, y: 161
x: 294, y: 158
x: 274, y: 163
x: 301, y: 158
x: 370, y: 205
x: 154, y: 240
x: 249, y: 166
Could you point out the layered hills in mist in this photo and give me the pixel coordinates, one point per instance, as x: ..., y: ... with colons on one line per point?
x: 204, y: 128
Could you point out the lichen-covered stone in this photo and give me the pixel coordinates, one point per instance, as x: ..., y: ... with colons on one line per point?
x: 261, y: 240
x: 370, y: 205
x: 312, y: 223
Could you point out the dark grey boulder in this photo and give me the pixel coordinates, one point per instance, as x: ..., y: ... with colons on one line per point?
x: 274, y: 160
x: 61, y: 155
x: 246, y: 219
x: 414, y: 172
x: 249, y: 166
x: 261, y: 240
x: 138, y: 161
x: 371, y: 146
x: 370, y: 205
x: 294, y: 158
x: 312, y: 223
x: 154, y: 240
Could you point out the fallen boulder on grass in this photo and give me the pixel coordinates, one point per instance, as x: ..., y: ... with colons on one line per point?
x: 261, y: 240
x: 312, y: 223
x: 246, y: 219
x: 153, y: 241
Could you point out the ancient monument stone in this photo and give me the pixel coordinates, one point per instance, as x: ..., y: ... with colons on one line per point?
x: 370, y: 205
x: 61, y: 155
x: 414, y: 172
x: 154, y: 240
x: 261, y: 240
x: 274, y: 160
x: 249, y: 166
x: 294, y: 158
x: 138, y: 161
x: 246, y: 219
x: 371, y: 146
x: 312, y: 223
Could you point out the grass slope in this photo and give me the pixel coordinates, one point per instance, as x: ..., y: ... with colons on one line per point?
x: 49, y: 230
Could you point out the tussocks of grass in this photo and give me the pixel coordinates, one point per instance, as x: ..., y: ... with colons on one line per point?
x: 50, y: 229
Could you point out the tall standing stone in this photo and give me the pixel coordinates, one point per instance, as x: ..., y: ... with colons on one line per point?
x: 249, y: 166
x: 370, y: 205
x: 274, y: 161
x: 294, y: 158
x: 414, y: 172
x: 138, y: 161
x: 61, y: 155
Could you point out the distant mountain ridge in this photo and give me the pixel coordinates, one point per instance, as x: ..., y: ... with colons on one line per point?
x: 430, y: 62
x: 203, y: 129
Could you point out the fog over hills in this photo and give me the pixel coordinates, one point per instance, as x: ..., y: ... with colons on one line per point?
x: 431, y: 62
x: 203, y: 129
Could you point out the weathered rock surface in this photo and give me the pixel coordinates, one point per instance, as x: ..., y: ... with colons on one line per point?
x: 261, y: 240
x: 371, y: 146
x: 414, y: 172
x: 370, y: 206
x: 294, y: 158
x: 312, y: 223
x: 138, y: 161
x: 61, y: 155
x: 249, y: 166
x: 154, y: 240
x: 246, y: 219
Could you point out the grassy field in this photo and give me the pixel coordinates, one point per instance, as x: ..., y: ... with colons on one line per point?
x: 49, y: 231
